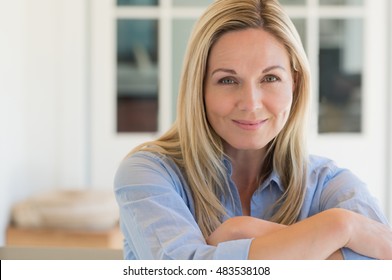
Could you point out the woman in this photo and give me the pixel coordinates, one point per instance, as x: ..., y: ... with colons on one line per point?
x: 231, y: 179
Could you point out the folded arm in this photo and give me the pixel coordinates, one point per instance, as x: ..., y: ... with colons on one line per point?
x: 318, y: 237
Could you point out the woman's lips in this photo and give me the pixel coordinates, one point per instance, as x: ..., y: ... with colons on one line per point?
x: 249, y: 125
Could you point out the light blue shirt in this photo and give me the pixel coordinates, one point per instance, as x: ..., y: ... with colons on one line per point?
x: 157, y: 213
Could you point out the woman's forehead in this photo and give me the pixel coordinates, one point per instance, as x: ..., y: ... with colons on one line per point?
x: 248, y: 46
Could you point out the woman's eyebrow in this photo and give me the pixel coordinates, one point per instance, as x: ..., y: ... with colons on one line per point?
x: 226, y: 70
x: 270, y: 68
x: 233, y: 72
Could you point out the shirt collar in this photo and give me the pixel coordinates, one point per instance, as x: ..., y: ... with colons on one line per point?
x: 272, y: 180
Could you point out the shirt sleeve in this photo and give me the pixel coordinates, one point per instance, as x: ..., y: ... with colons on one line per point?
x: 155, y: 219
x: 343, y: 189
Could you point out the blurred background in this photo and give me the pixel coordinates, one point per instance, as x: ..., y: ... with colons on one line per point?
x: 84, y: 81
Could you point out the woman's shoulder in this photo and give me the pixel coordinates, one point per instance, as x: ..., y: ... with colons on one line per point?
x: 323, y: 171
x: 152, y: 172
x: 148, y: 165
x: 147, y: 159
x: 321, y: 164
x: 148, y: 155
x: 331, y: 186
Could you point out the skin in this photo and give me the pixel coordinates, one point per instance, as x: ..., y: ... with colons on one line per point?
x: 321, y: 235
x: 248, y: 96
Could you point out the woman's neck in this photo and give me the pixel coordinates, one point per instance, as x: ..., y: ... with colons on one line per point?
x: 247, y: 166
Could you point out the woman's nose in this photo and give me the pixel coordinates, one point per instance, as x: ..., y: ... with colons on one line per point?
x: 250, y: 98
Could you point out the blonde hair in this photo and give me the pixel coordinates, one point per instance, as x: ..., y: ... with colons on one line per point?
x: 194, y: 145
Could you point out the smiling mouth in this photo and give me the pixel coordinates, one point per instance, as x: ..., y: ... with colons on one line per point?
x: 249, y: 125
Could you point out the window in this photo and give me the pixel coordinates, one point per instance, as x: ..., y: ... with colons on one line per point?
x: 137, y: 75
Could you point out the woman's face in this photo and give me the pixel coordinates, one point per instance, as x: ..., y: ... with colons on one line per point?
x: 248, y: 88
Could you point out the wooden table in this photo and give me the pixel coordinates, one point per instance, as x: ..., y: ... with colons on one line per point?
x: 31, y: 237
x: 35, y: 253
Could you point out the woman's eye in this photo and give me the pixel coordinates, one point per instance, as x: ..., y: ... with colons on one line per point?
x: 227, y: 81
x: 270, y: 79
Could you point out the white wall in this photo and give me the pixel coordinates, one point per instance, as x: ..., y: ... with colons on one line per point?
x: 389, y: 170
x: 43, y: 99
x: 12, y: 126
